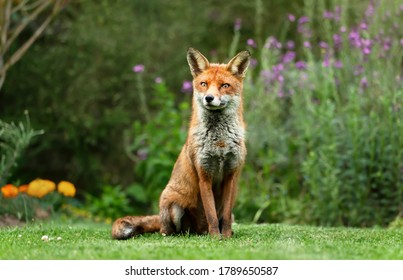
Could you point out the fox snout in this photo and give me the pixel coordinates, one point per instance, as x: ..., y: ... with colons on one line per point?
x: 214, y: 102
x: 209, y: 98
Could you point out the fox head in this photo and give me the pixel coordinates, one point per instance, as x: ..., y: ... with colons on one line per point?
x: 217, y: 86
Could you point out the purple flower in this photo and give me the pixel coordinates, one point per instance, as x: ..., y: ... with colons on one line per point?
x: 323, y: 45
x: 290, y: 45
x: 343, y: 29
x: 366, y: 46
x: 187, y: 87
x: 370, y: 10
x: 366, y: 51
x: 307, y: 44
x: 139, y: 68
x: 291, y: 17
x: 158, y: 80
x: 338, y: 64
x: 270, y: 77
x: 253, y: 63
x: 326, y: 63
x: 278, y: 68
x: 366, y: 42
x: 288, y: 57
x: 359, y: 69
x: 387, y: 44
x: 337, y: 40
x: 272, y: 43
x: 303, y: 20
x: 401, y: 42
x: 251, y: 42
x: 363, y: 26
x: 337, y: 13
x: 364, y: 83
x: 300, y: 65
x: 328, y: 14
x: 354, y: 35
x: 305, y: 31
x: 354, y: 38
x: 303, y: 28
x: 238, y: 24
x: 267, y: 75
x: 326, y: 60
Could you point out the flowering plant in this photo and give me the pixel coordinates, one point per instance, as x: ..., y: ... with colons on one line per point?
x: 36, y: 199
x: 9, y: 191
x: 324, y: 119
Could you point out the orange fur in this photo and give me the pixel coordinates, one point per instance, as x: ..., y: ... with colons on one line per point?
x: 201, y: 192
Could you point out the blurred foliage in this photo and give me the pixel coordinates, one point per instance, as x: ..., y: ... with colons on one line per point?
x: 329, y: 153
x: 15, y: 18
x: 112, y: 203
x: 82, y: 90
x: 325, y: 126
x: 14, y: 140
x: 154, y: 147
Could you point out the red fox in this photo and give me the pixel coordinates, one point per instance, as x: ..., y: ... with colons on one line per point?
x: 200, y: 194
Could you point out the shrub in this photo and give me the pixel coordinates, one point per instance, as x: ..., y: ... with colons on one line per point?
x: 14, y: 139
x: 112, y: 203
x: 325, y: 128
x: 154, y: 147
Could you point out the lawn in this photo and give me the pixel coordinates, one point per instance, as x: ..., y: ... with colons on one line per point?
x: 267, y: 241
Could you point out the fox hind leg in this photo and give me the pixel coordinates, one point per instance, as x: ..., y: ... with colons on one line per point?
x: 171, y: 219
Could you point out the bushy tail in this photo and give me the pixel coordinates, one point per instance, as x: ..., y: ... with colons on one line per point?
x: 130, y: 226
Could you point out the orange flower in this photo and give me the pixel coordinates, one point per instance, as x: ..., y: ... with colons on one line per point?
x: 66, y: 188
x: 9, y: 191
x: 39, y: 188
x: 23, y: 188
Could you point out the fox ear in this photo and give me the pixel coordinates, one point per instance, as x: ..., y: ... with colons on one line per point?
x: 197, y: 62
x: 239, y: 64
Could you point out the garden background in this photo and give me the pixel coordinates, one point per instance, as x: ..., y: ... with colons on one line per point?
x: 101, y: 100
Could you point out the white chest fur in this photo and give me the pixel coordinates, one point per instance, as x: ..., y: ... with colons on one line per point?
x: 219, y: 138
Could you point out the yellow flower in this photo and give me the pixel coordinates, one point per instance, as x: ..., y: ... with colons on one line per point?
x: 66, y: 188
x: 9, y: 191
x: 39, y: 188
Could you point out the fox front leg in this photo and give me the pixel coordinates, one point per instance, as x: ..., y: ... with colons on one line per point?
x: 207, y: 197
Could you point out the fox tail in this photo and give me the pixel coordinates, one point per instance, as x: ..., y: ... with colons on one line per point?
x: 130, y: 226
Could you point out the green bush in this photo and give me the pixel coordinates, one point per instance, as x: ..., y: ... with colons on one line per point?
x: 14, y: 139
x: 112, y: 203
x: 154, y: 147
x: 325, y: 128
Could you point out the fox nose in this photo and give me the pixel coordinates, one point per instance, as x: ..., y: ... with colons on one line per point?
x: 209, y: 98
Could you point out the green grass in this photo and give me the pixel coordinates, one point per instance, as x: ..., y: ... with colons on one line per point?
x: 92, y: 241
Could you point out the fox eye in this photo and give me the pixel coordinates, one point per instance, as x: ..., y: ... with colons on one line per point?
x: 225, y: 85
x: 203, y: 84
